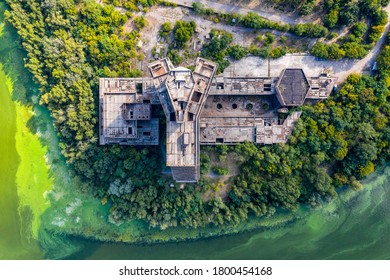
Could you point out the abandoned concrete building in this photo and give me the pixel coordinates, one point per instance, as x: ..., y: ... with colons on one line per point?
x: 203, y: 109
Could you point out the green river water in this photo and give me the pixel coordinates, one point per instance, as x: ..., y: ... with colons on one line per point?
x: 354, y: 226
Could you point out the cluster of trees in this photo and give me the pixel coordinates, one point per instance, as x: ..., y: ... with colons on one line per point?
x: 345, y: 12
x: 220, y: 46
x: 183, y: 31
x: 309, y: 30
x: 217, y: 48
x: 336, y: 143
x: 177, y: 38
x: 306, y: 7
x: 131, y: 5
x: 68, y: 48
x: 333, y: 51
x: 355, y: 14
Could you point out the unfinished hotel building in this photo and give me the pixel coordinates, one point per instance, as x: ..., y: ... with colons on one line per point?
x: 203, y: 109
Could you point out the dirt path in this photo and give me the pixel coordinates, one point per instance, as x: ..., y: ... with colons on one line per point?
x: 359, y: 66
x: 342, y: 68
x: 157, y: 15
x: 255, y: 66
x: 238, y: 8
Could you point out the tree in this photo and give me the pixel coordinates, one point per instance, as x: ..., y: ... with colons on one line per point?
x: 375, y: 33
x: 334, y: 52
x: 332, y: 18
x: 183, y: 32
x: 198, y: 7
x: 359, y: 29
x: 306, y: 8
x: 320, y: 50
x: 237, y: 52
x: 354, y: 50
x: 165, y: 29
x: 175, y: 57
x: 349, y: 13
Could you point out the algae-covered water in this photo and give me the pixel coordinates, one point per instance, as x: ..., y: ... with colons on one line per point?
x: 356, y: 226
x: 38, y: 204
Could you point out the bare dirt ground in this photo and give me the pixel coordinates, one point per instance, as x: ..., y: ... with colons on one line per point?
x: 250, y: 66
x: 243, y: 36
x: 223, y: 183
x: 261, y: 7
x: 156, y: 16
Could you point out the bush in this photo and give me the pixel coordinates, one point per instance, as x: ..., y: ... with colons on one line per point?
x: 140, y: 22
x: 237, y: 52
x: 283, y: 39
x: 277, y: 52
x: 309, y: 30
x: 175, y: 57
x: 269, y: 38
x: 220, y: 170
x: 165, y: 29
x: 375, y: 33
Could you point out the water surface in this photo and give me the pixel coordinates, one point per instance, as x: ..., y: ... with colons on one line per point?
x: 354, y: 226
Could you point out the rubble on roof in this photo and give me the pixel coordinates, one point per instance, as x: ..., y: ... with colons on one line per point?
x: 203, y: 109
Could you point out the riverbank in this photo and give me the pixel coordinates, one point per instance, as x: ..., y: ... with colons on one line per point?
x: 48, y: 217
x: 23, y: 172
x: 354, y: 226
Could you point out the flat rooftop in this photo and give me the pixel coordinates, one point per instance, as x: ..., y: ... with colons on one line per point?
x: 292, y: 87
x: 204, y: 109
x: 125, y: 112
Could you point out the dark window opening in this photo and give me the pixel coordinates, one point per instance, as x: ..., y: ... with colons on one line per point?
x: 190, y: 117
x: 234, y: 106
x: 220, y: 86
x: 130, y: 130
x: 146, y: 133
x: 139, y: 88
x: 140, y: 126
x: 219, y: 106
x: 172, y: 117
x: 147, y: 101
x: 196, y: 96
x: 131, y: 114
x: 219, y: 140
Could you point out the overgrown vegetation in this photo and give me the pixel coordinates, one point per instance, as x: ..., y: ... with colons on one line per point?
x: 356, y: 15
x: 336, y: 143
x: 253, y: 20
